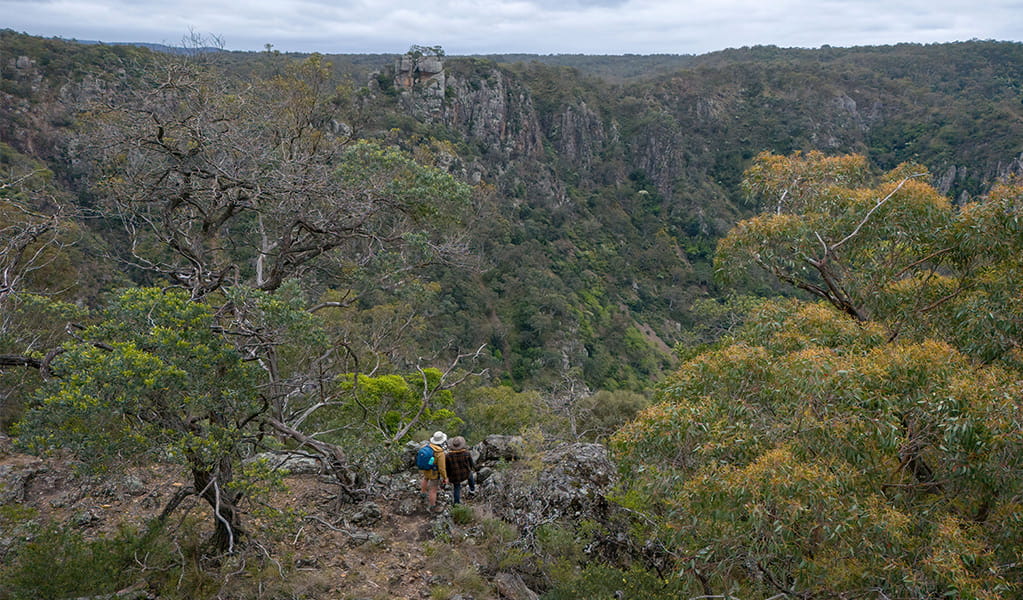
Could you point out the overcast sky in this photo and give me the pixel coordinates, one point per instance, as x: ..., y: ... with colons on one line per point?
x: 528, y: 26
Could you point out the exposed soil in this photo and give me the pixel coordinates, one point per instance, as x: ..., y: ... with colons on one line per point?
x: 378, y: 549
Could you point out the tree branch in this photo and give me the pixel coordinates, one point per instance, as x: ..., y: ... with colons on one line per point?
x: 870, y: 212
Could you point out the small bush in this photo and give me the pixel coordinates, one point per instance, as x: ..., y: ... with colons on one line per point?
x: 461, y: 514
x: 57, y: 563
x: 601, y: 581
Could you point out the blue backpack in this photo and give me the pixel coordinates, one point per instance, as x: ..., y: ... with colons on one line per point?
x: 425, y: 460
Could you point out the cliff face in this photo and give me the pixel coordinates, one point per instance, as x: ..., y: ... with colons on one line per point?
x: 603, y: 198
x: 496, y: 115
x: 698, y: 128
x: 633, y: 182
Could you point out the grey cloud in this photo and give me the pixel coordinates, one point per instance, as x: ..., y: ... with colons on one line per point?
x: 537, y: 26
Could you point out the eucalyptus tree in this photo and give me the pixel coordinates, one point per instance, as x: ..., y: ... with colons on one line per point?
x: 152, y: 382
x: 224, y: 186
x: 256, y: 200
x: 864, y: 442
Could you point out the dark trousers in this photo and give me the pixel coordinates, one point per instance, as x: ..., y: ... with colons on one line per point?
x: 456, y: 488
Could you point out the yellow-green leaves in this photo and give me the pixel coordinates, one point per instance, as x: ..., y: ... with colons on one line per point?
x: 786, y: 184
x: 814, y: 451
x: 888, y: 249
x: 387, y: 407
x: 150, y: 381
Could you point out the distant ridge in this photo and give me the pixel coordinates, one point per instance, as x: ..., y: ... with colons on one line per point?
x: 154, y: 47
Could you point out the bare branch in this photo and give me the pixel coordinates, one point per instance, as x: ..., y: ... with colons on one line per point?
x: 871, y: 212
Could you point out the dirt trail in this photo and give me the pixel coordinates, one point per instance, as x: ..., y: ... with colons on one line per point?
x: 340, y: 552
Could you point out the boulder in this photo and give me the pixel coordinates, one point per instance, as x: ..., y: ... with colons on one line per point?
x: 570, y: 480
x: 576, y: 472
x: 511, y: 586
x: 293, y: 463
x: 500, y: 447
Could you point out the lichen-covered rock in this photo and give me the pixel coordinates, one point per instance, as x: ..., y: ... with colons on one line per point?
x: 365, y: 514
x: 511, y: 586
x: 294, y: 464
x: 569, y: 480
x: 494, y: 448
x: 576, y: 472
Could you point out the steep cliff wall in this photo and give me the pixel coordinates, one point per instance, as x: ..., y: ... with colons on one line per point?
x: 634, y: 181
x: 601, y: 202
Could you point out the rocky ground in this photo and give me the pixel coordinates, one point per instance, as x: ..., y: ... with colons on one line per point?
x: 387, y: 546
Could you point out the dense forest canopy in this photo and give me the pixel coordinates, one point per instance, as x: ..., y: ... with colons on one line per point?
x: 782, y: 284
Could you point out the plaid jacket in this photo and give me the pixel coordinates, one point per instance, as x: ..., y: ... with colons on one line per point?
x: 460, y: 465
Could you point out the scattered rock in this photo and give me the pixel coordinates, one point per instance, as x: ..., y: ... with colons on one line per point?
x: 307, y: 563
x: 407, y: 505
x: 442, y: 526
x: 365, y: 514
x: 86, y: 518
x: 133, y: 486
x: 367, y: 537
x: 511, y: 587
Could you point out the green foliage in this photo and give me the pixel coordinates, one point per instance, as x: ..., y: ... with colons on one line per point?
x: 32, y: 325
x: 462, y: 514
x: 891, y: 250
x: 499, y: 410
x: 596, y: 417
x: 854, y: 444
x: 597, y: 581
x: 572, y: 555
x: 603, y: 232
x: 387, y: 408
x: 792, y: 448
x: 714, y: 320
x: 419, y: 190
x: 833, y: 237
x: 57, y: 562
x: 153, y: 382
x: 835, y: 463
x: 500, y: 550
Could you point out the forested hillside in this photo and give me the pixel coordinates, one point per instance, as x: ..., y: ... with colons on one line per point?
x: 781, y: 284
x: 614, y: 191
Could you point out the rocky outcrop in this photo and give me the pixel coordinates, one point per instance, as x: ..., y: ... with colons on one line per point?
x: 421, y: 79
x: 570, y: 480
x: 512, y: 587
x: 411, y: 71
x: 496, y: 448
x: 494, y: 112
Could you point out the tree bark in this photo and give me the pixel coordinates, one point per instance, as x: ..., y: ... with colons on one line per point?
x: 210, y: 484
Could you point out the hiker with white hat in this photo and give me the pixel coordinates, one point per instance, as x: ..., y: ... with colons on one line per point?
x: 431, y: 464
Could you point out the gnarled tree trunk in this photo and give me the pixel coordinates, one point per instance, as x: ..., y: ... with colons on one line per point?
x: 211, y: 486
